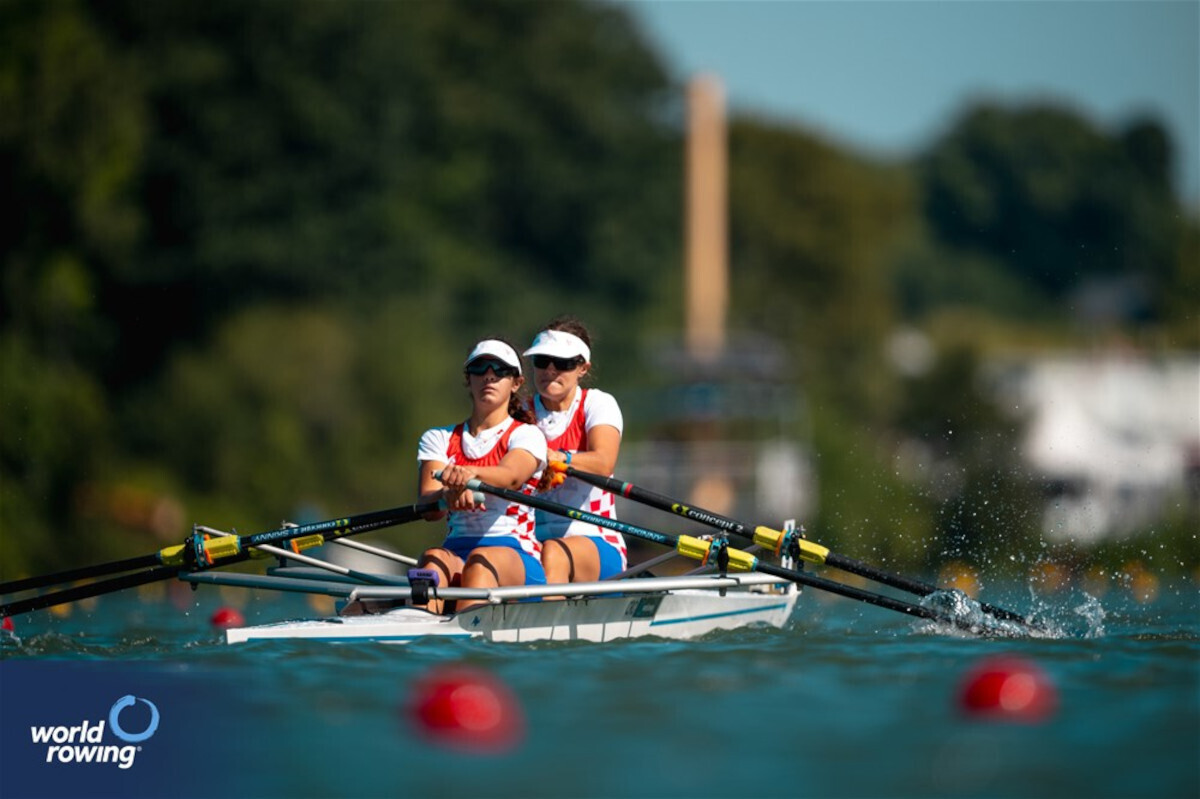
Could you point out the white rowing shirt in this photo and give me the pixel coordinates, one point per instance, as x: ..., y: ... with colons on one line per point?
x: 568, y: 430
x: 497, y: 517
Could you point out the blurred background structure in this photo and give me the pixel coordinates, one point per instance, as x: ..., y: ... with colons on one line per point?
x: 249, y: 244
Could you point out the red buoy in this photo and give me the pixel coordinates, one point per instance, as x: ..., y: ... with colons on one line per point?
x: 7, y: 624
x: 226, y: 617
x: 1009, y: 688
x: 467, y: 708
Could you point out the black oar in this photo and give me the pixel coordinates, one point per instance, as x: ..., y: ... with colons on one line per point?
x: 200, y: 548
x: 699, y: 549
x: 78, y: 592
x: 200, y: 553
x: 773, y: 539
x: 83, y: 573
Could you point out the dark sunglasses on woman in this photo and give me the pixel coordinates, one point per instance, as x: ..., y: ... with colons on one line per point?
x: 501, y: 370
x: 561, y: 364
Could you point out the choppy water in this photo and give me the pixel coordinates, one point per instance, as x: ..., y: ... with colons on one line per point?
x: 850, y: 701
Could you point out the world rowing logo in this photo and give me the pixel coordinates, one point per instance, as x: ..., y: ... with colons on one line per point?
x: 115, y: 714
x: 84, y: 742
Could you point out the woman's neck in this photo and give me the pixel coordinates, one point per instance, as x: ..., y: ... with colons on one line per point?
x: 560, y: 405
x: 481, y: 420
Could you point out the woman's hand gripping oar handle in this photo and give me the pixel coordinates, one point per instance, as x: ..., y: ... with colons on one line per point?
x: 704, y: 551
x: 477, y: 496
x: 769, y: 539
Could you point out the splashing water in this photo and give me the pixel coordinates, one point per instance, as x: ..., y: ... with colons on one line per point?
x: 971, y: 619
x: 1092, y: 612
x: 1065, y: 617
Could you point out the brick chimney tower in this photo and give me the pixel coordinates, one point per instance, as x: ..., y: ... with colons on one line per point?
x: 706, y: 277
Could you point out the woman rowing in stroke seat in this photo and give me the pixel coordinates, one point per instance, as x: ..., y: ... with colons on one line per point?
x: 492, y: 543
x: 583, y: 429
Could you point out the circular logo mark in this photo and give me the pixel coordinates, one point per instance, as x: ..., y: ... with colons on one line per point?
x: 115, y: 713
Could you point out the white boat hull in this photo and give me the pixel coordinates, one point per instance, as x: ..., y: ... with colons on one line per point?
x: 647, y: 607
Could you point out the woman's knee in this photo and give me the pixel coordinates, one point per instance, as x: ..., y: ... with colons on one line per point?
x: 557, y: 561
x: 489, y: 567
x: 585, y: 560
x: 442, y: 560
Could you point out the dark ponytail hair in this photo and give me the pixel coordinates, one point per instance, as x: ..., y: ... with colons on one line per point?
x: 569, y: 324
x: 521, y: 408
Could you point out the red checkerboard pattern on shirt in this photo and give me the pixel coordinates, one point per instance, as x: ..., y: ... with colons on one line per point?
x: 605, y: 505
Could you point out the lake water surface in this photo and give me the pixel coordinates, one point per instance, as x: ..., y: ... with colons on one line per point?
x: 849, y: 701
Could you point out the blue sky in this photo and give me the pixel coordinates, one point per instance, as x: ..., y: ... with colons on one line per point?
x: 888, y: 76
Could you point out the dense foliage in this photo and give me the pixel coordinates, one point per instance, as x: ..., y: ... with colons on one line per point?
x: 248, y: 243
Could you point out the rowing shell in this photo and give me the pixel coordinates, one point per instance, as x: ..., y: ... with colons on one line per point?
x: 663, y: 607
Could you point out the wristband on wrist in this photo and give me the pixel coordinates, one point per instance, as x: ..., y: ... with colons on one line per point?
x: 567, y: 455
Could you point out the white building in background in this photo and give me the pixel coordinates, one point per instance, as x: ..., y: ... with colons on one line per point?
x: 1116, y: 438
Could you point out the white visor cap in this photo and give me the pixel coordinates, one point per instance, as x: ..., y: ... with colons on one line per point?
x: 559, y: 344
x: 494, y: 348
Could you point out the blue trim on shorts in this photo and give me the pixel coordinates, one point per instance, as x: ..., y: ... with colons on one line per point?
x: 610, y: 557
x: 462, y: 546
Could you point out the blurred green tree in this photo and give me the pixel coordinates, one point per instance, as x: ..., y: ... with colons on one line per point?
x: 232, y: 210
x: 71, y: 139
x: 253, y: 240
x: 1067, y: 207
x: 310, y: 150
x: 811, y: 228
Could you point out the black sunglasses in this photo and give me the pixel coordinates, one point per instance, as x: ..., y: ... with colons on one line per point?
x: 561, y: 364
x: 481, y: 367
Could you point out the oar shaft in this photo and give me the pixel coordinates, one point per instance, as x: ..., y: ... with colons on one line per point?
x: 814, y: 553
x: 338, y: 528
x: 90, y: 590
x: 879, y: 575
x: 660, y: 501
x: 747, y: 560
x: 912, y: 586
x: 82, y: 573
x: 571, y: 513
x: 851, y: 592
x: 213, y: 552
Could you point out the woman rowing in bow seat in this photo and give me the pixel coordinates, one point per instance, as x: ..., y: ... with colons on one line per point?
x: 491, y: 543
x: 583, y: 429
